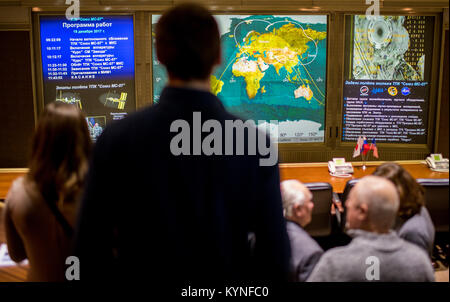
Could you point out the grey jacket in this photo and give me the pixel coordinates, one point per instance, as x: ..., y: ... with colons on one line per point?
x: 305, y: 252
x: 419, y: 230
x: 397, y: 260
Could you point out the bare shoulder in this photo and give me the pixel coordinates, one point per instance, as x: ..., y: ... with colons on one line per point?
x: 16, y: 186
x: 17, y: 196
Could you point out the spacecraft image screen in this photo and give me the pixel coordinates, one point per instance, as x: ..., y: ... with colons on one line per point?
x: 89, y: 63
x: 386, y: 78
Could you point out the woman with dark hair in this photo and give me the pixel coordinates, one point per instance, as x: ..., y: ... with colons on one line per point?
x: 41, y: 207
x: 413, y: 220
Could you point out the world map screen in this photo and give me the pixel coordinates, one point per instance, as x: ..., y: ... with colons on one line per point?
x: 273, y: 72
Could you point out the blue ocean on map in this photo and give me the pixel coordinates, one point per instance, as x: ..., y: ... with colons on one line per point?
x: 298, y: 95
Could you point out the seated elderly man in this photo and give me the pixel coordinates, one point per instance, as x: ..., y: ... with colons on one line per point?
x: 298, y: 206
x: 376, y: 253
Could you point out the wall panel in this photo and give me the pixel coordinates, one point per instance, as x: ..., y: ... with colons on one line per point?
x: 16, y: 99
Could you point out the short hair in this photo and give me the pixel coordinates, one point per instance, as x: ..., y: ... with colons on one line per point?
x: 188, y: 42
x: 381, y: 198
x: 411, y: 193
x: 291, y: 194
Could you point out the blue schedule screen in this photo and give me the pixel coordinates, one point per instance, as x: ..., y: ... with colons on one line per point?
x: 89, y: 62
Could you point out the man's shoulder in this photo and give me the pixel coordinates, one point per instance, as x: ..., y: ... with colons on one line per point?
x: 412, y: 251
x: 333, y: 266
x: 301, y: 239
x: 415, y: 259
x: 418, y: 222
x: 130, y: 125
x: 146, y: 114
x: 339, y: 252
x: 418, y: 227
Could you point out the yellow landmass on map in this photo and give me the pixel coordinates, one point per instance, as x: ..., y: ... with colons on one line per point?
x: 297, y: 37
x: 251, y: 73
x: 272, y: 49
x: 216, y: 85
x: 263, y: 89
x: 303, y: 91
x: 252, y: 80
x: 280, y: 48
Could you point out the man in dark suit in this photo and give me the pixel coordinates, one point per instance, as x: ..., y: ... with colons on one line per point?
x: 156, y: 207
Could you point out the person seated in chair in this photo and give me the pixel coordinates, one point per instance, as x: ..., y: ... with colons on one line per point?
x: 298, y: 207
x: 376, y: 252
x: 413, y: 221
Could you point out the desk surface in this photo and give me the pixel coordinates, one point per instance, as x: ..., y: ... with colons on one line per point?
x: 304, y: 172
x: 6, y: 179
x: 313, y: 172
x: 308, y: 172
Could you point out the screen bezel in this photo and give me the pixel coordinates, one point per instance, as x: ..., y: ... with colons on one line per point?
x: 38, y: 53
x: 400, y: 147
x: 281, y: 146
x: 289, y: 152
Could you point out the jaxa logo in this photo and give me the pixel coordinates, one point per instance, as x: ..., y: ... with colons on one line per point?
x: 364, y: 90
x: 392, y: 91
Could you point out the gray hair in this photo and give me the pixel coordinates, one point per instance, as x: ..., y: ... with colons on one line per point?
x: 381, y: 198
x: 292, y: 193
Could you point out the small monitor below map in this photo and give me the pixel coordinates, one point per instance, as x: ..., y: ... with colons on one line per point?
x: 273, y: 72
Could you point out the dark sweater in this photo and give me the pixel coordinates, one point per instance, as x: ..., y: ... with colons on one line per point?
x: 150, y: 214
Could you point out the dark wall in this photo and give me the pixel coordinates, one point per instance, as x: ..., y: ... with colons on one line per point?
x: 16, y: 99
x: 443, y: 137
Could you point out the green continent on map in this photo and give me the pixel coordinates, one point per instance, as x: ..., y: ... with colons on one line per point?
x: 279, y: 48
x: 216, y: 85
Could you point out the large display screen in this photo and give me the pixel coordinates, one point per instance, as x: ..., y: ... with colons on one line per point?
x: 89, y: 62
x: 273, y: 72
x: 387, y: 74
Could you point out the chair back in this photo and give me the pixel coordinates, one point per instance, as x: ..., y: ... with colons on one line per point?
x: 348, y: 187
x: 436, y: 201
x: 321, y: 217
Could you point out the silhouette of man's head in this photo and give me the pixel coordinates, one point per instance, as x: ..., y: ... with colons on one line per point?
x: 188, y: 42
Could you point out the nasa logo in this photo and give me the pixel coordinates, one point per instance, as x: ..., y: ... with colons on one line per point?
x: 364, y: 90
x: 406, y: 91
x: 392, y: 91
